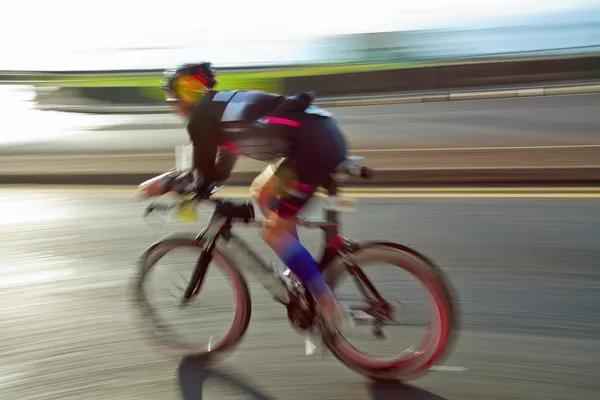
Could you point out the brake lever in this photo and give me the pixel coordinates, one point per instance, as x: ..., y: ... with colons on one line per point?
x: 156, y: 206
x: 215, y: 187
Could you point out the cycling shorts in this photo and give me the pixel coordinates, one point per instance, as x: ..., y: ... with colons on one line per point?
x: 317, y: 150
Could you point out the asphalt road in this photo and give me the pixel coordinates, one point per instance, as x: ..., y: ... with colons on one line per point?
x: 524, y: 264
x: 559, y: 120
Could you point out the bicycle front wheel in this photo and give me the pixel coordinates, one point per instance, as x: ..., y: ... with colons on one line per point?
x: 167, y: 333
x: 379, y: 311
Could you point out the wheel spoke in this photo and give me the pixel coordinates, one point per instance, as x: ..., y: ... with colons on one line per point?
x: 361, y: 279
x: 166, y: 331
x: 376, y: 313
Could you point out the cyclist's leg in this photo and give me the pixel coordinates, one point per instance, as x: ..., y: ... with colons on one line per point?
x: 267, y: 188
x: 281, y: 235
x: 322, y: 148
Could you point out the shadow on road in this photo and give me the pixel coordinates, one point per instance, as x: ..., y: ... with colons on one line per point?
x: 193, y: 374
x: 398, y: 391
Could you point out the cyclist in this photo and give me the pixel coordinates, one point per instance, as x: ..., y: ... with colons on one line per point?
x: 270, y: 127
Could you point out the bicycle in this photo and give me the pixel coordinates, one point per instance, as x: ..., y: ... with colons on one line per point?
x: 340, y: 256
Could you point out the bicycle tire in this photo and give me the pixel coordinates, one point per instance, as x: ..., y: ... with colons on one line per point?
x: 445, y: 300
x: 243, y: 313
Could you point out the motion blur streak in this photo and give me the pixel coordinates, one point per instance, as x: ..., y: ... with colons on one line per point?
x: 526, y: 272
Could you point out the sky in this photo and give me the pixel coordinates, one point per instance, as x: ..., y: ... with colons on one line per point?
x: 43, y: 31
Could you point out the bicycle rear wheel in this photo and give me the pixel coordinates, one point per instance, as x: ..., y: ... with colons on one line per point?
x: 164, y: 333
x: 443, y: 327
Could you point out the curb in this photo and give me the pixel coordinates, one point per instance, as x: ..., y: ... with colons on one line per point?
x: 467, y: 165
x: 355, y: 102
x: 466, y: 95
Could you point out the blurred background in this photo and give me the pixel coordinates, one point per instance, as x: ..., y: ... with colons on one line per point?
x: 480, y: 119
x: 137, y: 35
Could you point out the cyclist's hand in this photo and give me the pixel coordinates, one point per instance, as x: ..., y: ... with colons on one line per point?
x: 191, y: 182
x: 184, y: 183
x: 203, y: 189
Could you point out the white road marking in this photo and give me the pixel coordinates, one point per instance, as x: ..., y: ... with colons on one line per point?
x: 448, y: 368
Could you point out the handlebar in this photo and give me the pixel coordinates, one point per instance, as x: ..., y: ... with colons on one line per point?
x: 189, y: 197
x: 184, y: 199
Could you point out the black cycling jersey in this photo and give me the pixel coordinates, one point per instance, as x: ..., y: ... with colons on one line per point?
x: 267, y: 127
x: 226, y: 124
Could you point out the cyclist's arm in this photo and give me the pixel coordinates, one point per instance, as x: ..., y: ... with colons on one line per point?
x: 225, y: 162
x: 203, y: 129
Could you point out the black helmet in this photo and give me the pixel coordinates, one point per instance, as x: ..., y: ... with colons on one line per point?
x: 187, y: 81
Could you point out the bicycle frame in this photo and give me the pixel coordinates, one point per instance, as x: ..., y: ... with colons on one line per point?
x: 302, y: 310
x: 219, y: 228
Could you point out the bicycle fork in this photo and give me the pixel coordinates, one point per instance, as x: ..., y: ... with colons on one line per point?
x: 195, y: 284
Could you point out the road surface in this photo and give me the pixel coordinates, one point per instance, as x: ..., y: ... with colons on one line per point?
x: 524, y: 264
x: 560, y: 120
